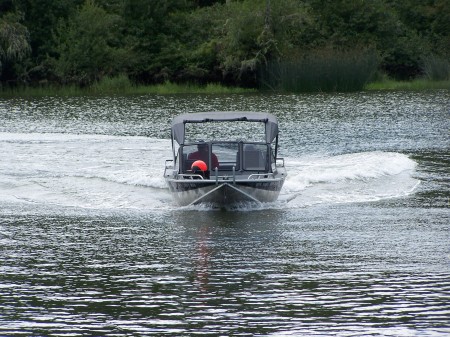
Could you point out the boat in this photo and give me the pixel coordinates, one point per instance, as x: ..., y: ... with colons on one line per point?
x: 228, y: 171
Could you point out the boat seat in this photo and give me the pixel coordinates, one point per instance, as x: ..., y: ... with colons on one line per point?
x: 228, y: 167
x: 254, y: 161
x: 187, y: 165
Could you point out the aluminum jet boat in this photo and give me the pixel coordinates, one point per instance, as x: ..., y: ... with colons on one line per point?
x: 225, y: 171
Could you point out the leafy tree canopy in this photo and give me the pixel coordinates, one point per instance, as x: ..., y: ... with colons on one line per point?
x: 228, y: 41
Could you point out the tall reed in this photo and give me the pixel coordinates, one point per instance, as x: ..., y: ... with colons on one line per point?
x: 111, y: 85
x: 436, y: 68
x: 321, y: 71
x: 42, y: 91
x: 414, y: 85
x: 121, y: 85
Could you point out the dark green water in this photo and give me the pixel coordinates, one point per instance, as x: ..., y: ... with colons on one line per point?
x: 358, y: 244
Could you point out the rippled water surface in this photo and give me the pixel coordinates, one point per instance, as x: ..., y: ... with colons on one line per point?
x: 358, y: 243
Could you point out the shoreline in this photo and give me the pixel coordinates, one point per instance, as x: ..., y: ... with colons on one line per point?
x: 213, y: 89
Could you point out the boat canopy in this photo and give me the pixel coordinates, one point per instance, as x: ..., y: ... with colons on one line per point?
x: 179, y: 122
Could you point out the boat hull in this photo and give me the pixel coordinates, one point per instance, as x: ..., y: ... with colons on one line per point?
x: 192, y: 192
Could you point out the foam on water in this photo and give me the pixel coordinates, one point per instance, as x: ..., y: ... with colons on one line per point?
x: 113, y: 172
x: 355, y: 177
x: 86, y: 171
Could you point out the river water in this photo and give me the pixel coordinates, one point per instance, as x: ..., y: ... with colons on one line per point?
x: 358, y: 243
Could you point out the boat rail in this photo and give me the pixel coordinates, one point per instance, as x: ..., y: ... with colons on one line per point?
x: 168, y: 166
x: 190, y: 176
x: 261, y: 175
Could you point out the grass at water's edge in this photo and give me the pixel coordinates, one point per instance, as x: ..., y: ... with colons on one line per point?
x: 111, y: 87
x: 124, y: 87
x: 418, y: 85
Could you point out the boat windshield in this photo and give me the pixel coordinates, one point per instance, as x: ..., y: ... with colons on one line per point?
x: 226, y: 155
x: 254, y: 157
x: 243, y: 156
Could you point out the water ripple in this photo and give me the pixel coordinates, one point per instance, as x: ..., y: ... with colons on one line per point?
x: 91, y: 246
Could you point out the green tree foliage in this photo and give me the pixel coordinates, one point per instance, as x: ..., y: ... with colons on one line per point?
x: 440, y: 28
x: 227, y: 41
x: 242, y: 44
x: 244, y: 35
x: 89, y: 45
x: 347, y: 24
x: 429, y: 22
x: 14, y: 43
x: 41, y: 18
x: 152, y: 32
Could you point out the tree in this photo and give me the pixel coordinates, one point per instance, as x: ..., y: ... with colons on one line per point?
x: 152, y: 33
x: 14, y: 43
x: 89, y: 45
x: 152, y: 41
x: 440, y: 28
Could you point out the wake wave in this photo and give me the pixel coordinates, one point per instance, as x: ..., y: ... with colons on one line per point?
x: 83, y: 171
x: 111, y: 172
x: 356, y: 177
x: 355, y: 166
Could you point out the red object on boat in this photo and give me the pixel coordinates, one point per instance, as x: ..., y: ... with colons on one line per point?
x: 200, y: 164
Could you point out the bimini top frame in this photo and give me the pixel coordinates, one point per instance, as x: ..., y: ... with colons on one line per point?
x: 179, y: 122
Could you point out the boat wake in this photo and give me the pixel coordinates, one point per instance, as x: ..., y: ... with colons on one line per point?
x: 355, y: 177
x: 60, y: 171
x: 83, y: 171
